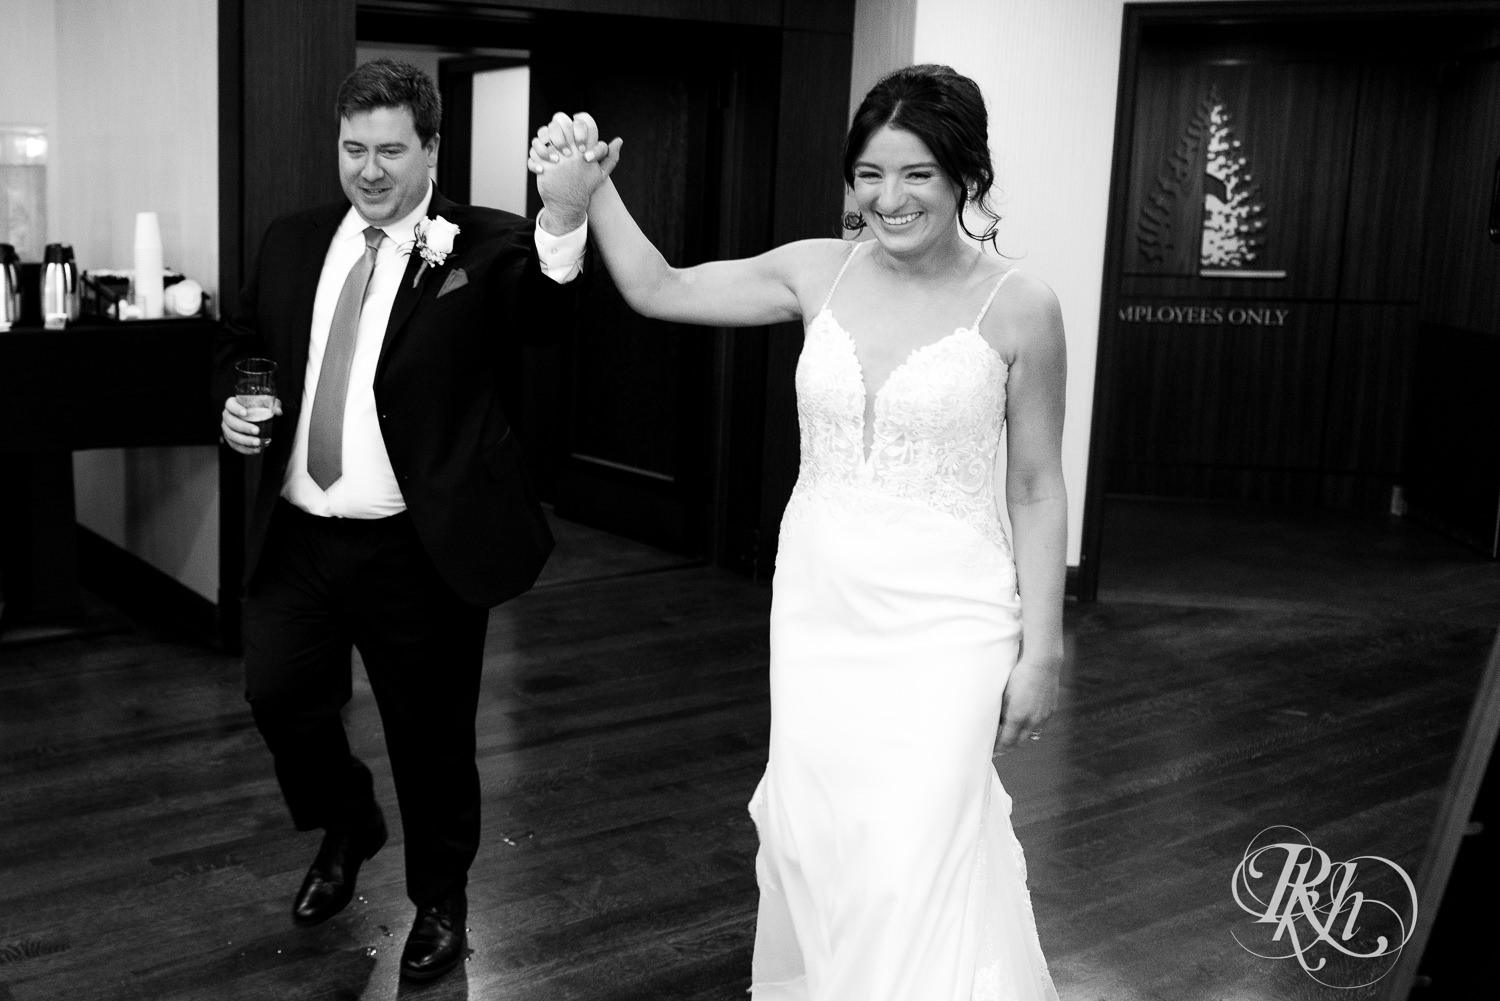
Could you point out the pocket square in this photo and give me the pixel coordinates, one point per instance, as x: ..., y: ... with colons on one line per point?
x: 456, y: 279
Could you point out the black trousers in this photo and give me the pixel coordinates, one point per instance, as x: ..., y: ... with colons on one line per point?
x: 327, y: 586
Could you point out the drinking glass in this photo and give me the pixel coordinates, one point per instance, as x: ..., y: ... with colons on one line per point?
x: 255, y: 389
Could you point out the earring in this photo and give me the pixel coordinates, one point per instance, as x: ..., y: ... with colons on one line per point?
x: 853, y: 221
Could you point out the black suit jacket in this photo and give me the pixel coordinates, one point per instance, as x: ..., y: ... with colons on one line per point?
x: 455, y: 455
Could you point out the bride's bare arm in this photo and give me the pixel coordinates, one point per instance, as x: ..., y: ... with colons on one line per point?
x: 745, y: 292
x: 1036, y: 497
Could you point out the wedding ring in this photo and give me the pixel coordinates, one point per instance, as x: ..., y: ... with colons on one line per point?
x: 1036, y: 735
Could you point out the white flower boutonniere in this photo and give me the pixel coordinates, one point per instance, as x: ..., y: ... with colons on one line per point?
x: 434, y: 241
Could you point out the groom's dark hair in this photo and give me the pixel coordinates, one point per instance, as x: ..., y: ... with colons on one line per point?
x: 391, y: 83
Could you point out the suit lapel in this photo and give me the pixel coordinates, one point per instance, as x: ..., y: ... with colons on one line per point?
x: 312, y: 250
x: 401, y: 308
x: 411, y: 291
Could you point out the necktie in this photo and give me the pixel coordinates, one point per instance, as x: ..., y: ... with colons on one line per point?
x: 325, y: 433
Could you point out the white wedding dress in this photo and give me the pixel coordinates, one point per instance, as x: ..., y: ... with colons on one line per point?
x: 888, y: 868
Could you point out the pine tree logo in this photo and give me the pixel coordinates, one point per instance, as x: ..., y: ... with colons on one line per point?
x: 1232, y: 237
x: 1232, y: 208
x: 1156, y: 228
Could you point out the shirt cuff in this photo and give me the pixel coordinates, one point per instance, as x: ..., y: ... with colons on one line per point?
x: 561, y: 256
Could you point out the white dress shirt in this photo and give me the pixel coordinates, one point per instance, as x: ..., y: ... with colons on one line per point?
x: 561, y: 257
x: 368, y: 487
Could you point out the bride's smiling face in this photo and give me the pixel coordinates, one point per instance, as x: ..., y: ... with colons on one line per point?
x: 905, y: 197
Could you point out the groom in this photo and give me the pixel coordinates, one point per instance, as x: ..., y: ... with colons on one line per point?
x: 392, y: 508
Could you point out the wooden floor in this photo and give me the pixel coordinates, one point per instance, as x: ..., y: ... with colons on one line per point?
x: 1242, y: 669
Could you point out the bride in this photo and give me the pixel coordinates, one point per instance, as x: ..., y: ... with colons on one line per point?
x: 909, y: 636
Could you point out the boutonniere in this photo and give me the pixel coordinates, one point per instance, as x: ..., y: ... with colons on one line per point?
x: 434, y: 241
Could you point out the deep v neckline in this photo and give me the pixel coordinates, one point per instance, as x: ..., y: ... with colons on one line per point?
x: 867, y: 415
x: 859, y: 367
x: 870, y: 402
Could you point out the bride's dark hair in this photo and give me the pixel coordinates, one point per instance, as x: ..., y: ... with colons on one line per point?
x: 945, y: 110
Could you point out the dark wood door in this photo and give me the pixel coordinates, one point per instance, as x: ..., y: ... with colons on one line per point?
x: 1271, y: 242
x: 733, y: 114
x: 623, y: 416
x: 1453, y: 469
x: 1270, y: 214
x: 280, y: 64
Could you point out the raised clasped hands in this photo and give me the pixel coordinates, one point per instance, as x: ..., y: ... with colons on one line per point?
x: 570, y: 162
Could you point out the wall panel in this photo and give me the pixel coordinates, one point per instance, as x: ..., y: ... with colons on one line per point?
x: 1327, y: 129
x: 1389, y: 178
x: 1369, y: 403
x: 1224, y: 394
x: 1461, y: 286
x: 1453, y: 460
x: 293, y: 56
x: 1292, y: 125
x: 808, y: 199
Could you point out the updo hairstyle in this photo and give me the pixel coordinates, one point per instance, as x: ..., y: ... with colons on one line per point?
x: 945, y: 110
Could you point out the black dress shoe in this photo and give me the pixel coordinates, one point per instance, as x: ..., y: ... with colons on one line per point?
x: 438, y: 939
x: 329, y: 885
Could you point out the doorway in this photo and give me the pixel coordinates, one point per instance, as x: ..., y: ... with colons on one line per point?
x: 1275, y: 261
x: 623, y: 427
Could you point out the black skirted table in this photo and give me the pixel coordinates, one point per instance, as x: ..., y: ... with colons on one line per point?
x: 101, y: 385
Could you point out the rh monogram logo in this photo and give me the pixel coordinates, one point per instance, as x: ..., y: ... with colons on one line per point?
x: 1344, y: 922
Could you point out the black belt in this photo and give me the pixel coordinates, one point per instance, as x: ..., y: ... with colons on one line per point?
x: 351, y: 526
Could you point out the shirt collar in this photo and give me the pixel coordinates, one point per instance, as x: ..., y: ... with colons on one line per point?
x: 403, y: 230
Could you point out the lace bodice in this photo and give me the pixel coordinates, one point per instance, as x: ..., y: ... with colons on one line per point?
x: 936, y: 428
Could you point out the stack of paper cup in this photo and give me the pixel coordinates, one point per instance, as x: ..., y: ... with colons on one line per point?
x: 148, y: 266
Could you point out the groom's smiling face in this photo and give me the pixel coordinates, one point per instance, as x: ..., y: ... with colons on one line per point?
x: 383, y: 165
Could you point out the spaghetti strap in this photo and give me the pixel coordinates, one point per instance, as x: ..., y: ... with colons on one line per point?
x: 852, y: 251
x: 993, y: 292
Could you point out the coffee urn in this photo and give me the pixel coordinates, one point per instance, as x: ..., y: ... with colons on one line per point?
x: 61, y: 296
x: 10, y: 287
